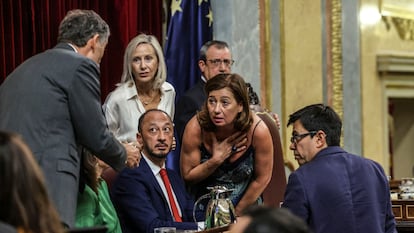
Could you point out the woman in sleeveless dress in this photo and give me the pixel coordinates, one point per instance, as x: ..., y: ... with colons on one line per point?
x: 226, y: 144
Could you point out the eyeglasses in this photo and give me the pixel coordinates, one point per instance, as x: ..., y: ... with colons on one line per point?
x: 217, y: 62
x: 296, y: 138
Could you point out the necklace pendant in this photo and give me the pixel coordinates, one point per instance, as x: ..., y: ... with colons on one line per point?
x: 149, y: 101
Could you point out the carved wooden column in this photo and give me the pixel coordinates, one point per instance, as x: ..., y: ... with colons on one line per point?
x: 334, y: 56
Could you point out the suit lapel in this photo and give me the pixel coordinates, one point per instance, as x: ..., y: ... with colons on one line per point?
x: 144, y: 165
x: 174, y: 183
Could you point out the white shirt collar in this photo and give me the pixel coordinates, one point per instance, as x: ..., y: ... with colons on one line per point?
x: 154, y: 168
x: 73, y: 47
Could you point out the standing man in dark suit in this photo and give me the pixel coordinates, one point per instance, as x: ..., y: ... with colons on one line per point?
x: 333, y: 190
x: 53, y: 101
x: 140, y: 195
x: 215, y: 58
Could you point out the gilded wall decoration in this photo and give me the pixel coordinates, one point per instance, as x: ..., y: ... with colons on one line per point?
x: 336, y: 56
x: 405, y: 28
x: 398, y: 8
x: 401, y: 14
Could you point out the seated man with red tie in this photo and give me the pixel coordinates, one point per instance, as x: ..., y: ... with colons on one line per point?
x: 150, y: 196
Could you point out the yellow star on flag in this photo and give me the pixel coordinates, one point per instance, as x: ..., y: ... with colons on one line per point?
x: 175, y: 6
x: 210, y: 17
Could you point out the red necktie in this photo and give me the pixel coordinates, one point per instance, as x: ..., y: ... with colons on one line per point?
x: 167, y: 184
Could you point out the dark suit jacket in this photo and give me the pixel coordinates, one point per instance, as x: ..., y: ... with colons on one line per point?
x: 338, y: 192
x: 141, y: 205
x: 6, y: 228
x: 188, y: 105
x: 53, y: 101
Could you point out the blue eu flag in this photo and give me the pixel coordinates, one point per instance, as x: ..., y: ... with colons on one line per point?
x: 189, y: 28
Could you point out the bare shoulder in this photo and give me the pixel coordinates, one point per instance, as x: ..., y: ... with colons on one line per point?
x: 259, y: 131
x: 192, y: 132
x: 193, y: 125
x: 259, y: 126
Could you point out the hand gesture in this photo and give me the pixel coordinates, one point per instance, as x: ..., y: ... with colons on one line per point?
x: 224, y: 149
x: 133, y: 154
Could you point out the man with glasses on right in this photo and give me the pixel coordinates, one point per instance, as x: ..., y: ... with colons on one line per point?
x: 334, y: 191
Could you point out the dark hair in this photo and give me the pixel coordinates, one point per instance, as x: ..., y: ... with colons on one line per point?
x: 216, y: 43
x: 24, y: 199
x: 320, y: 117
x: 142, y: 117
x: 88, y: 172
x: 237, y: 86
x: 253, y: 97
x: 79, y: 26
x: 270, y: 220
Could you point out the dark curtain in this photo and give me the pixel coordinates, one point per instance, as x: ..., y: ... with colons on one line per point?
x: 28, y: 27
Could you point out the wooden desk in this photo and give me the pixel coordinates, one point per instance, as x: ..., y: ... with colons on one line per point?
x: 404, y: 215
x: 402, y: 225
x: 405, y: 226
x: 403, y: 210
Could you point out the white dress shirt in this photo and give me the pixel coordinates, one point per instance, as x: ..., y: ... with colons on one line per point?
x: 156, y: 171
x: 123, y: 108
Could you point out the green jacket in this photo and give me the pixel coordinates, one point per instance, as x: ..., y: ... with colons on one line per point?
x: 97, y: 210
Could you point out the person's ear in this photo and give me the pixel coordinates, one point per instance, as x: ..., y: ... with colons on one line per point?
x: 89, y: 49
x: 321, y: 138
x: 139, y: 139
x: 240, y: 109
x: 202, y: 65
x: 94, y: 41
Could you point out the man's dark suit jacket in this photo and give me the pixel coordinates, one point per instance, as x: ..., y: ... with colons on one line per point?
x: 141, y: 204
x: 6, y: 228
x: 53, y: 101
x: 338, y: 192
x: 188, y: 105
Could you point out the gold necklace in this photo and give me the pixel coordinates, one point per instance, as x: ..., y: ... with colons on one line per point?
x: 147, y: 101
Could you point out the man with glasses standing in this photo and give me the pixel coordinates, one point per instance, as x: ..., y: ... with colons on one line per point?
x: 215, y: 58
x: 333, y: 190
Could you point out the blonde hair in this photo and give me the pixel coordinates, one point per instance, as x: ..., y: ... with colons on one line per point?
x: 161, y: 74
